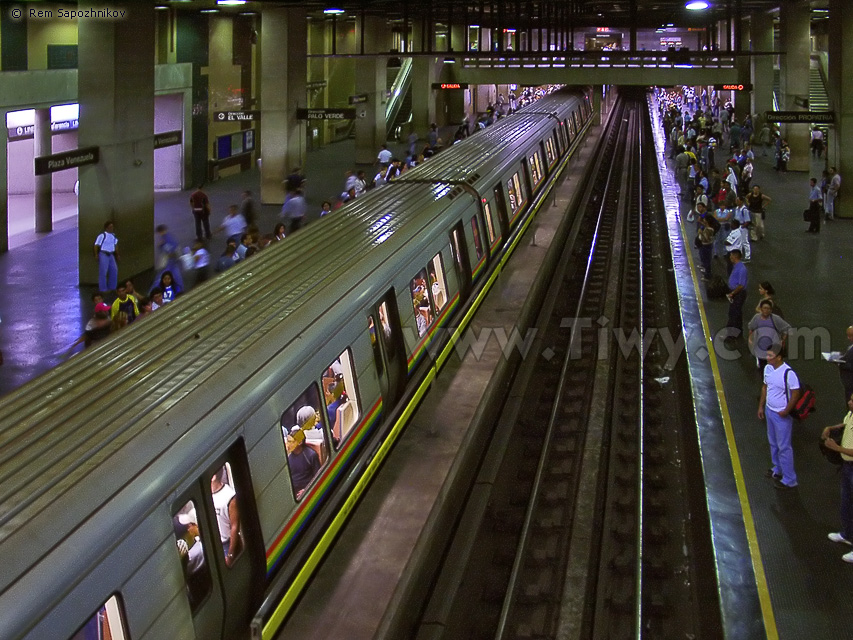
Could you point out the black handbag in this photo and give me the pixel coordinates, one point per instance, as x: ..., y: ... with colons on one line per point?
x: 807, y: 215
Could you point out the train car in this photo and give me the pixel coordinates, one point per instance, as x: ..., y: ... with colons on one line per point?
x: 183, y: 479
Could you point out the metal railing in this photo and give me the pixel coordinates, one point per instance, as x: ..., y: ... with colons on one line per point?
x: 603, y: 59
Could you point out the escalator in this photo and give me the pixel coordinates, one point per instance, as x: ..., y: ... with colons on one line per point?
x: 398, y: 109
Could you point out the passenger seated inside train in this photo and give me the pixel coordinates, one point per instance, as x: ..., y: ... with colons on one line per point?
x: 420, y: 301
x: 302, y: 460
x: 191, y: 550
x: 227, y: 514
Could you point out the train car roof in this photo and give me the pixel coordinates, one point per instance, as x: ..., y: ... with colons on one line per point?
x: 482, y: 152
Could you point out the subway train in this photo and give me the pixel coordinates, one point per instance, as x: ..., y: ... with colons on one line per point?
x: 183, y: 479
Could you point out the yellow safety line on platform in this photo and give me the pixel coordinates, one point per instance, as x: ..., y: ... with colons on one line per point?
x: 748, y: 521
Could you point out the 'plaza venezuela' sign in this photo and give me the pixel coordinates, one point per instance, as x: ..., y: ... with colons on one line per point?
x: 820, y: 117
x: 66, y: 160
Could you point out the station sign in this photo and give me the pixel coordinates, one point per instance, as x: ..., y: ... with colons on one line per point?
x: 819, y: 117
x: 237, y: 116
x: 361, y: 98
x: 66, y: 160
x: 733, y: 87
x: 325, y: 114
x: 168, y: 139
x: 27, y: 132
x: 444, y: 86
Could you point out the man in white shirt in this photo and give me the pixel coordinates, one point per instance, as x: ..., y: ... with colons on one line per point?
x: 106, y: 253
x: 384, y: 156
x: 779, y: 394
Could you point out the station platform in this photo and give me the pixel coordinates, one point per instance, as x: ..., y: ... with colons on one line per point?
x: 44, y: 309
x: 800, y: 581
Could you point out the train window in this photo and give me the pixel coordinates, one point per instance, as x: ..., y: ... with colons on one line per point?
x: 549, y: 150
x: 536, y: 169
x: 339, y: 390
x: 490, y: 224
x: 188, y: 538
x: 420, y: 302
x: 374, y: 343
x: 107, y: 623
x: 437, y: 283
x: 515, y: 192
x: 478, y: 245
x: 304, y: 440
x: 226, y: 505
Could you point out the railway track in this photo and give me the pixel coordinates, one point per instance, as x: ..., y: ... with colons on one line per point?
x: 585, y: 521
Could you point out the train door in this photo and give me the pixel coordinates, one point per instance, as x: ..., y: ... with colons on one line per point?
x: 238, y: 548
x: 219, y: 539
x: 388, y: 351
x: 460, y: 260
x: 500, y: 201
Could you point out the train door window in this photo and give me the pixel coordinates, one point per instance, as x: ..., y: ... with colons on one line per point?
x: 577, y: 120
x: 226, y: 505
x: 424, y: 314
x: 460, y: 259
x: 535, y: 165
x: 107, y: 623
x: 492, y: 227
x: 516, y: 194
x: 478, y: 244
x: 438, y: 284
x: 549, y: 150
x: 339, y: 391
x: 190, y: 541
x: 305, y: 440
x: 500, y: 204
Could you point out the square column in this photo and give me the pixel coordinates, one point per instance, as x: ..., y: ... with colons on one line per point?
x: 761, y: 39
x: 424, y: 74
x: 44, y: 184
x: 840, y: 152
x: 795, y: 31
x: 116, y: 94
x: 371, y: 79
x: 284, y: 75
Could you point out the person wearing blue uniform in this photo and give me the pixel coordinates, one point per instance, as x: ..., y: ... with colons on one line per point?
x: 106, y: 253
x: 779, y: 394
x: 738, y: 281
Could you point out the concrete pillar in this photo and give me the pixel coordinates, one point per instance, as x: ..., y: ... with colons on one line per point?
x: 840, y: 154
x: 116, y: 94
x: 795, y: 42
x: 596, y: 104
x: 370, y: 125
x: 424, y: 73
x: 284, y: 73
x: 42, y: 146
x: 743, y: 102
x: 761, y: 40
x: 371, y: 78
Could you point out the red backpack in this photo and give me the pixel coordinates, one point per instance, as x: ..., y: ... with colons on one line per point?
x: 805, y: 403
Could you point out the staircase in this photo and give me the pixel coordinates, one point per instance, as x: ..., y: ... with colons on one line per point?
x: 818, y: 99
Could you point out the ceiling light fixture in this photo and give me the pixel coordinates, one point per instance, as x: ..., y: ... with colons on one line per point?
x: 449, y: 60
x: 230, y: 2
x: 697, y: 5
x: 333, y: 12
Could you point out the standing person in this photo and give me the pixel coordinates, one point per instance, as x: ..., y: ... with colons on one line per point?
x: 227, y: 515
x: 413, y: 144
x: 247, y: 208
x: 746, y: 176
x: 432, y: 137
x: 815, y: 201
x: 200, y: 206
x: 757, y: 203
x: 293, y: 211
x: 234, y: 224
x: 706, y: 229
x: 106, y: 253
x: 384, y: 156
x: 201, y: 262
x: 779, y: 394
x: 817, y: 143
x: 167, y: 256
x: 764, y: 138
x: 738, y: 280
x: 766, y: 330
x: 832, y: 189
x: 846, y: 450
x: 124, y: 304
x: 296, y: 180
x: 742, y: 215
x: 169, y: 287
